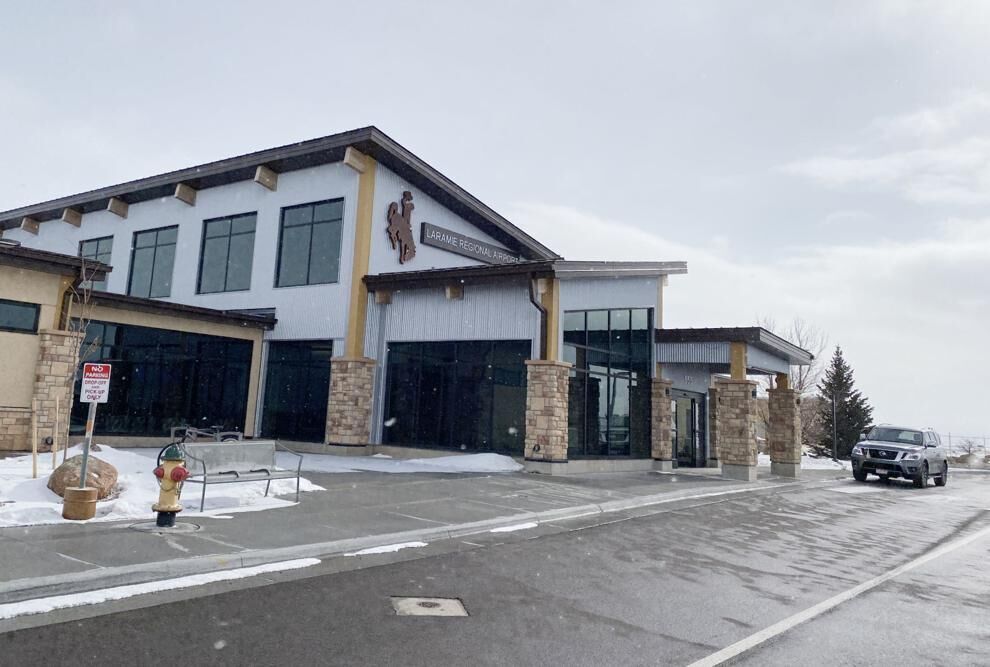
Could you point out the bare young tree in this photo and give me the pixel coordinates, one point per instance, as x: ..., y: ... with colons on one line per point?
x: 802, y: 378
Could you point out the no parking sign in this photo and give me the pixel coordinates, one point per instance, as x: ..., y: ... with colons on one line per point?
x: 95, y: 383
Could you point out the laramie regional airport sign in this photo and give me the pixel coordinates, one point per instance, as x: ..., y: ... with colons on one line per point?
x: 438, y: 237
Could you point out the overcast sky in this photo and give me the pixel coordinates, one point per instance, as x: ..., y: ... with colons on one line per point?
x: 828, y: 162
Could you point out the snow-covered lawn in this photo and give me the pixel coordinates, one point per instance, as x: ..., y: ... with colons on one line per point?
x: 479, y: 463
x: 25, y: 501
x: 809, y: 463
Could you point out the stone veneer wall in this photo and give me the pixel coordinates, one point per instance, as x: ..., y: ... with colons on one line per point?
x: 737, y: 423
x: 546, y: 410
x: 15, y: 429
x: 784, y: 436
x: 713, y: 444
x: 352, y: 382
x: 57, y: 359
x: 662, y: 446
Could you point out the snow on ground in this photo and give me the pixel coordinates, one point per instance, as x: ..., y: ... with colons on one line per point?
x: 444, y: 464
x: 514, y: 528
x: 810, y: 463
x: 25, y: 501
x: 44, y: 605
x: 388, y: 548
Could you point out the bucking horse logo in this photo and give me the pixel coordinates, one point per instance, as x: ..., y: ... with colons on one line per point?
x: 400, y: 228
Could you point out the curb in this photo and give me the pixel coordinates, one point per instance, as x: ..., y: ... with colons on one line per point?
x: 19, y: 590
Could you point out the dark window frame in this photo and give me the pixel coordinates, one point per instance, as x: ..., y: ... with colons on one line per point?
x: 311, y: 225
x: 230, y: 235
x: 99, y: 285
x: 22, y: 304
x: 154, y: 258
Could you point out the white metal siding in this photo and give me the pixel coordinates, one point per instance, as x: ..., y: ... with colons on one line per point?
x: 591, y: 293
x: 312, y: 312
x: 693, y: 353
x: 389, y: 188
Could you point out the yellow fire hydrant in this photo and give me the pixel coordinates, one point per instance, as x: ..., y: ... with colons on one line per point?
x: 171, y: 472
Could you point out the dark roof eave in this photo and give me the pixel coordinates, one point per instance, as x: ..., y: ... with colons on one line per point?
x: 757, y: 336
x: 152, y: 306
x: 51, y: 262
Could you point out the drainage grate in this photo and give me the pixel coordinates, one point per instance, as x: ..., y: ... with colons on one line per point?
x: 428, y: 607
x: 152, y: 527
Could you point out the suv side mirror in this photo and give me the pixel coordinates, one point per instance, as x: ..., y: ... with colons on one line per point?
x: 863, y: 436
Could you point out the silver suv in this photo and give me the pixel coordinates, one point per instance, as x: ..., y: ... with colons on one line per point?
x: 895, y: 451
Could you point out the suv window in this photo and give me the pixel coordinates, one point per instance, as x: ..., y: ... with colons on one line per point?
x: 903, y: 436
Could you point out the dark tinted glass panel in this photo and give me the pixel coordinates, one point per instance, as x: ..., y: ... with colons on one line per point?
x: 467, y: 395
x: 142, y: 262
x: 164, y: 378
x: 152, y: 261
x: 18, y: 316
x: 609, y: 394
x: 161, y: 279
x: 228, y: 254
x: 293, y: 261
x: 310, y: 244
x: 296, y: 390
x: 240, y: 262
x: 324, y: 253
x: 88, y: 249
x: 213, y: 264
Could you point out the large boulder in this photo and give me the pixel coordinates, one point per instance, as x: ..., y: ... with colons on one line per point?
x: 100, y: 475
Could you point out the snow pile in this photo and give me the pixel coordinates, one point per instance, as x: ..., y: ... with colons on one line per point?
x: 483, y: 463
x: 388, y: 549
x: 809, y: 463
x: 25, y: 501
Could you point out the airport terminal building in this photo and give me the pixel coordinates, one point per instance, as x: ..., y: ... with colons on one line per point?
x: 342, y: 291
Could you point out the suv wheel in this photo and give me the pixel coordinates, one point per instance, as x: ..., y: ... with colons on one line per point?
x: 943, y: 476
x: 859, y: 475
x: 921, y: 479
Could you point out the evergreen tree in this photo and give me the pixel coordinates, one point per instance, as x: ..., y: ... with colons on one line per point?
x: 853, y: 413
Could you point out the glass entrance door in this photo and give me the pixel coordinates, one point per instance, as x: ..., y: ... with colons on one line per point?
x: 688, y: 416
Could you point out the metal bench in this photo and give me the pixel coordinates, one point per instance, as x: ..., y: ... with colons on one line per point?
x: 238, y: 461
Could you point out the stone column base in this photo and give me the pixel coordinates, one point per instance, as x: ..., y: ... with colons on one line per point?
x: 662, y: 447
x: 663, y: 466
x: 546, y: 410
x: 785, y: 469
x: 738, y: 472
x: 352, y: 382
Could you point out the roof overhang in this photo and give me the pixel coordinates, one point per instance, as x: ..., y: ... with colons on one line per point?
x: 155, y: 307
x: 528, y: 269
x: 12, y: 254
x: 767, y: 352
x: 369, y: 140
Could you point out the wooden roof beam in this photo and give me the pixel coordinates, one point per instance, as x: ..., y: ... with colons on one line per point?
x: 30, y: 225
x: 185, y: 193
x: 266, y: 177
x: 118, y: 207
x: 72, y: 216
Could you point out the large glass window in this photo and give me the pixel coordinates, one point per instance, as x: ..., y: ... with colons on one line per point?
x: 163, y: 378
x: 296, y: 390
x: 18, y: 316
x: 309, y: 244
x: 609, y: 388
x: 465, y: 395
x: 97, y: 250
x: 228, y: 254
x: 152, y: 261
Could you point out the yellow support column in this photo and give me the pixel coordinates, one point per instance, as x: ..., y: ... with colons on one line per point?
x: 737, y: 360
x: 551, y: 301
x: 357, y: 313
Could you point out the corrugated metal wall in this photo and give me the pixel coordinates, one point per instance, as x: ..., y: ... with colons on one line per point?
x: 487, y: 312
x: 693, y: 353
x: 589, y: 294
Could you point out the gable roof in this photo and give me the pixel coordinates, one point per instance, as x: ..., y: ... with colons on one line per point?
x: 325, y: 150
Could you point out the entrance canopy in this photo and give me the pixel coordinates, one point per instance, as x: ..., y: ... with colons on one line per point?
x: 730, y: 350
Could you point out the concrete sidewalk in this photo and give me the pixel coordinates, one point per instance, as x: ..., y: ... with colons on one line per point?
x: 357, y: 511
